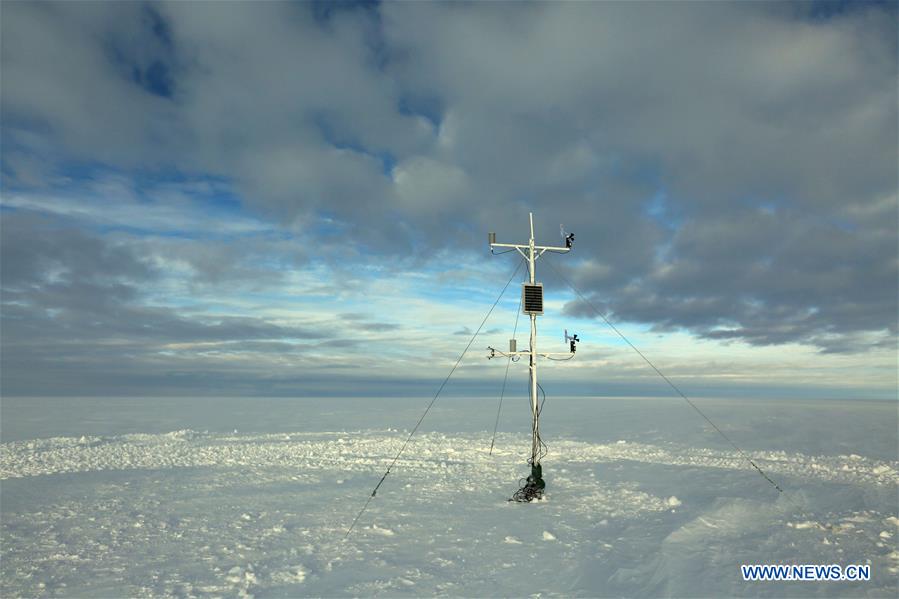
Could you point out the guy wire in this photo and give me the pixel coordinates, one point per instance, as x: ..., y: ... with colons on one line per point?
x: 436, y: 395
x: 505, y: 379
x: 665, y: 378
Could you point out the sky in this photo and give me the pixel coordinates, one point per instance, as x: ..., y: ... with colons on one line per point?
x: 293, y: 199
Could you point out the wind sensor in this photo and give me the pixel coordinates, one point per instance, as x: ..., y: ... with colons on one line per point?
x: 532, y: 305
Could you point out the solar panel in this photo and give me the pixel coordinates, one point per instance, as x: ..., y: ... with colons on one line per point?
x: 532, y: 298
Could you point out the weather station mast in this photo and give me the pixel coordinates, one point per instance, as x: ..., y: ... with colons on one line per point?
x: 532, y: 305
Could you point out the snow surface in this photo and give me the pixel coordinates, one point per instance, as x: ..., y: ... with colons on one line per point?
x: 254, y: 497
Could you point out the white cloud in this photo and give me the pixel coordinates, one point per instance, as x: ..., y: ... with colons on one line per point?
x: 770, y: 137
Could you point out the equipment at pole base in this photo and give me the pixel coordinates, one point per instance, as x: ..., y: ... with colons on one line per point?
x: 533, y: 486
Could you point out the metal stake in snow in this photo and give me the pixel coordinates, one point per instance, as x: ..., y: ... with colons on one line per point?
x: 532, y: 304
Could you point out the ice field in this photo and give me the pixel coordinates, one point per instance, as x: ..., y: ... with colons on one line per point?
x: 239, y: 497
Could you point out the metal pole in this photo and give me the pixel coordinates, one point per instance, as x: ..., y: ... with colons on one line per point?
x: 531, y: 252
x: 535, y: 428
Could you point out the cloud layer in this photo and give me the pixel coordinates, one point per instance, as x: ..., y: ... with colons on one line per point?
x: 729, y: 168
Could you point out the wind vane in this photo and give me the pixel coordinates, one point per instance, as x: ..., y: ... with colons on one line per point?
x: 532, y: 305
